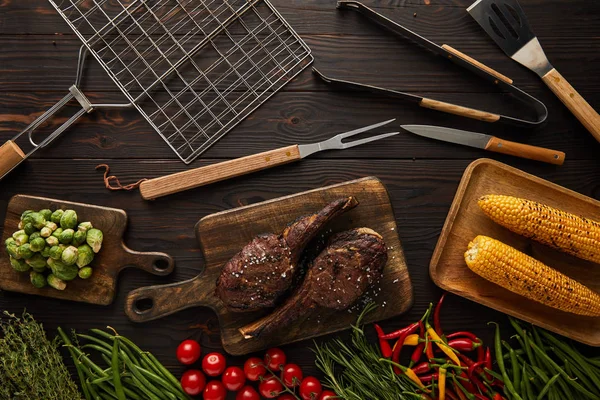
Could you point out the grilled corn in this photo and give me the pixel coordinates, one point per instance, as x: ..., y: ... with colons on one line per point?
x: 561, y: 230
x: 528, y: 277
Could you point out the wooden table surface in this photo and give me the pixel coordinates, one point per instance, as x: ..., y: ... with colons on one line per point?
x: 38, y: 57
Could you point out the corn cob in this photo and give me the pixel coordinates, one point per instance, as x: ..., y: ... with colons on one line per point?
x: 528, y: 277
x: 561, y: 230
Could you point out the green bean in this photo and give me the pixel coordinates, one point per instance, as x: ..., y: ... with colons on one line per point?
x: 95, y: 340
x: 527, y: 379
x: 158, y: 379
x: 115, y: 366
x: 165, y: 372
x: 102, y: 350
x: 140, y: 377
x: 573, y: 369
x: 547, y: 387
x: 500, y: 360
x: 493, y: 373
x: 527, y: 347
x: 515, y: 368
x: 106, y: 359
x: 143, y: 388
x: 78, y: 365
x: 92, y: 391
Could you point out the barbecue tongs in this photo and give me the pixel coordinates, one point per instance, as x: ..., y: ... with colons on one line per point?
x: 453, y: 55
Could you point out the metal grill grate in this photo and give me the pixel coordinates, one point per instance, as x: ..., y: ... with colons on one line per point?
x: 193, y: 68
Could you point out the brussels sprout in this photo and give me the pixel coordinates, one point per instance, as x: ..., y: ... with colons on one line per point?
x: 24, y: 251
x: 36, y: 219
x: 29, y: 228
x: 68, y: 219
x: 63, y: 271
x: 85, y: 255
x: 22, y: 239
x: 78, y: 238
x: 37, y: 261
x: 94, y: 239
x: 52, y: 241
x: 25, y: 213
x: 51, y: 225
x: 34, y: 235
x: 56, y: 282
x: 45, y: 251
x: 9, y: 240
x: 21, y: 225
x: 37, y: 244
x: 37, y: 279
x: 19, y: 265
x: 13, y: 250
x: 56, y: 252
x: 46, y: 232
x: 66, y: 236
x: 85, y: 272
x: 17, y: 233
x: 69, y: 255
x: 46, y: 213
x: 56, y: 215
x: 85, y: 226
x: 40, y: 269
x: 57, y: 232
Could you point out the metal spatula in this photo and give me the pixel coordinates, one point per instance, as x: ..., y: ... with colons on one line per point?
x: 505, y: 22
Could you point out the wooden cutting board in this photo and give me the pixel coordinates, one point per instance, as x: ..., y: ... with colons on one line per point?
x: 223, y: 234
x: 112, y: 258
x: 466, y: 220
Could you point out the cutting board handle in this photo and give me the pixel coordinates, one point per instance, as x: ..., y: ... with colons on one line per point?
x: 574, y: 102
x: 152, y: 302
x: 153, y: 262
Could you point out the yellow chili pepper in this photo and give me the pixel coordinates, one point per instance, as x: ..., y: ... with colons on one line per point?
x: 411, y: 340
x: 413, y: 377
x: 443, y: 346
x: 442, y: 383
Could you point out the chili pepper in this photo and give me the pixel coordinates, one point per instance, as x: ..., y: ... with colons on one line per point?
x: 468, y: 362
x: 475, y: 366
x: 440, y: 343
x: 480, y: 397
x: 416, y: 355
x: 479, y: 384
x: 422, y: 368
x: 413, y: 377
x: 436, y: 315
x: 497, y: 396
x: 398, y: 347
x: 467, y: 382
x: 461, y: 389
x: 428, y: 378
x: 451, y: 395
x: 411, y: 340
x: 399, y: 332
x: 467, y: 334
x: 384, y: 346
x: 428, y: 348
x: 463, y: 344
x: 442, y: 380
x: 461, y: 395
x: 480, y: 351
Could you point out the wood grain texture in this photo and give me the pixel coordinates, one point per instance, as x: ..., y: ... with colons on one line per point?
x: 112, y: 258
x: 525, y: 151
x: 466, y: 220
x: 222, y: 235
x: 459, y: 110
x: 574, y: 102
x: 11, y: 155
x: 473, y: 61
x: 193, y: 178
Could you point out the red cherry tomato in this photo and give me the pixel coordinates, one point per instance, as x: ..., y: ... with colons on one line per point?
x: 310, y: 388
x: 188, y: 352
x: 274, y: 359
x: 328, y: 395
x: 233, y: 378
x: 286, y: 396
x: 213, y: 364
x: 292, y: 375
x: 214, y: 390
x: 193, y: 382
x: 254, y: 368
x: 270, y: 387
x: 247, y: 393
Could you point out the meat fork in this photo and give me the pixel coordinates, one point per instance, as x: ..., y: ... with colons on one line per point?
x: 180, y: 181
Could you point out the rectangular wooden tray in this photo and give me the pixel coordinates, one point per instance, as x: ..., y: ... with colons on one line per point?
x: 466, y: 220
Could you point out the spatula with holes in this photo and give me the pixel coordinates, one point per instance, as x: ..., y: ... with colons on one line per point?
x: 505, y: 22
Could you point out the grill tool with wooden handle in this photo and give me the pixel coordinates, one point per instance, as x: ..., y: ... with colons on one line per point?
x: 180, y: 181
x: 505, y: 22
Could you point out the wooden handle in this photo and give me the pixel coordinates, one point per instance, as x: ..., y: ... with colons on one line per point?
x: 574, y: 102
x: 479, y: 65
x: 174, y: 183
x: 525, y: 151
x: 11, y: 155
x: 459, y: 110
x: 153, y: 262
x: 152, y: 302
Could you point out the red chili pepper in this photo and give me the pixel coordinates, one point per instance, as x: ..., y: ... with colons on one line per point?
x: 422, y: 368
x: 429, y: 378
x: 468, y: 362
x: 429, y: 350
x: 467, y: 334
x: 418, y: 351
x: 436, y: 315
x: 384, y: 346
x: 466, y: 383
x: 480, y: 397
x: 399, y: 332
x: 398, y: 346
x: 463, y: 344
x: 480, y: 351
x: 488, y: 363
x: 474, y: 367
x: 497, y: 396
x: 479, y: 384
x: 450, y: 394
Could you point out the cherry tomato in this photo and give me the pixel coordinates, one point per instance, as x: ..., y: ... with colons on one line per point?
x: 286, y: 396
x: 188, y: 352
x: 275, y: 359
x: 328, y: 395
x: 213, y: 364
x: 270, y: 387
x: 247, y: 393
x: 292, y: 375
x: 310, y: 388
x: 233, y: 378
x: 254, y: 368
x: 214, y: 390
x: 193, y: 382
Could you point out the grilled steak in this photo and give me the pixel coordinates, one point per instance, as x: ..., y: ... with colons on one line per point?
x: 341, y: 273
x: 257, y: 276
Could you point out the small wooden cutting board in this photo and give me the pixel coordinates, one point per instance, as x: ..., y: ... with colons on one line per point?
x: 223, y: 234
x: 112, y: 258
x: 466, y: 220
